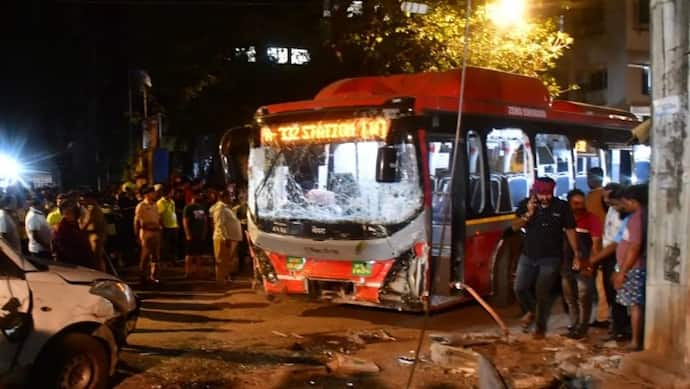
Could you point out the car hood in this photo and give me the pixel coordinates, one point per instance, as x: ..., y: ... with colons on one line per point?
x: 77, y: 274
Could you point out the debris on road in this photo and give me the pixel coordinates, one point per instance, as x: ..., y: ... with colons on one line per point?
x: 364, y: 337
x: 452, y: 357
x: 467, y: 371
x: 466, y: 339
x: 532, y: 381
x: 278, y: 333
x: 296, y: 347
x: 344, y: 364
x: 489, y: 376
x: 403, y: 360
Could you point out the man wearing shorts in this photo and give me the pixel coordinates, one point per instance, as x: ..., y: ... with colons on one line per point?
x: 195, y: 222
x: 630, y: 276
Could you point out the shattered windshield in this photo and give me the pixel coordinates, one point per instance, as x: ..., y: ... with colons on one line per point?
x: 332, y: 183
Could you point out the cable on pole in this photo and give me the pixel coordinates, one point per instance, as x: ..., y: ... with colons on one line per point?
x: 458, y: 136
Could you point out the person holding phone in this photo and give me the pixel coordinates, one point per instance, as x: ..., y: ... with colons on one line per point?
x: 542, y: 218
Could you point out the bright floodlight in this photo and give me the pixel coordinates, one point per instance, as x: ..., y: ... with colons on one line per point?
x: 507, y: 13
x: 10, y: 170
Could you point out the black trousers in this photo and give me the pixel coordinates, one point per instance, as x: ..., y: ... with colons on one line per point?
x: 619, y: 314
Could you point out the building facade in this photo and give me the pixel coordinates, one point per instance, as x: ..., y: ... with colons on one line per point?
x: 610, y: 59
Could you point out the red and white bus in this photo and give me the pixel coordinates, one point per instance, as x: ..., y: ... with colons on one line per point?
x: 350, y: 196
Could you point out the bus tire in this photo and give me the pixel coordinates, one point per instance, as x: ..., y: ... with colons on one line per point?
x: 502, y: 283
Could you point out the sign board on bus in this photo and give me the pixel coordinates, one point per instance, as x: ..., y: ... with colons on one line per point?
x: 326, y: 131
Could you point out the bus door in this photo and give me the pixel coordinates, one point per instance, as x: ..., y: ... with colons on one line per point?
x: 508, y: 156
x: 447, y: 213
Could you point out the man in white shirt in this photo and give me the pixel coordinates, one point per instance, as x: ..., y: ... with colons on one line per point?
x: 607, y: 260
x: 227, y: 234
x: 8, y: 226
x: 38, y: 230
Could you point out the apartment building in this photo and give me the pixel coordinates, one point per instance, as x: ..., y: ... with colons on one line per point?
x: 610, y: 58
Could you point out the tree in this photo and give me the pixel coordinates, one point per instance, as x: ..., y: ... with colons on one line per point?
x: 390, y: 41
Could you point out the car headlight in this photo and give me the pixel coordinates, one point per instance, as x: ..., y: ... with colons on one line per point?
x: 118, y: 293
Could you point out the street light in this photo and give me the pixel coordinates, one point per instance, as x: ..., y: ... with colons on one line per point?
x: 507, y: 13
x: 10, y: 170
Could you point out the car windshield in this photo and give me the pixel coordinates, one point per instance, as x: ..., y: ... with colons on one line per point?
x: 332, y: 183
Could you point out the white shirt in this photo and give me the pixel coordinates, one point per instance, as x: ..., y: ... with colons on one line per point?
x: 36, y: 221
x: 612, y: 225
x: 226, y: 226
x: 9, y: 228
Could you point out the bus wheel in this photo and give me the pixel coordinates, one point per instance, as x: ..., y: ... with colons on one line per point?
x: 503, y: 280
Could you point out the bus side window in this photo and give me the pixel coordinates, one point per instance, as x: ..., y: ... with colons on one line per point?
x: 510, y: 164
x: 555, y: 160
x: 475, y: 171
x: 619, y: 166
x: 586, y: 157
x: 642, y: 158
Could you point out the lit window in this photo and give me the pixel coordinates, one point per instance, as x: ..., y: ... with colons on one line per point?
x: 300, y: 56
x: 245, y: 54
x: 251, y: 54
x: 355, y: 8
x: 279, y: 55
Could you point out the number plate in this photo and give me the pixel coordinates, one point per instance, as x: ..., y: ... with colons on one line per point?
x: 361, y: 269
x: 295, y: 263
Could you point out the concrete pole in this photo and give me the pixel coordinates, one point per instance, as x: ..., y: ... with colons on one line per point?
x: 667, y: 332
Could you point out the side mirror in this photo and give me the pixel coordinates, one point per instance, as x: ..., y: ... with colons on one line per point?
x: 16, y: 326
x: 233, y: 150
x: 387, y: 169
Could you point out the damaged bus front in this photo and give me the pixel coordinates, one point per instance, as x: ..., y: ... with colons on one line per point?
x: 337, y: 206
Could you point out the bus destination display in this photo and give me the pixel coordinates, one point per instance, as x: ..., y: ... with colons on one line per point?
x: 326, y: 131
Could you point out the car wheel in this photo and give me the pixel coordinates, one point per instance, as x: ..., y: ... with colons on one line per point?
x: 75, y: 361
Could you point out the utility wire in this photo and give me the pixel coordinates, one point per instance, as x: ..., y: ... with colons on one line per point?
x: 458, y: 135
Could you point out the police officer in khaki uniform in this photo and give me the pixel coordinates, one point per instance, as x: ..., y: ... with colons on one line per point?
x: 147, y: 225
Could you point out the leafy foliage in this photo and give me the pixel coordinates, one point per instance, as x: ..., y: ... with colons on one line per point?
x: 391, y: 41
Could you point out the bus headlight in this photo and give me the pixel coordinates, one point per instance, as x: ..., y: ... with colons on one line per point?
x: 118, y: 293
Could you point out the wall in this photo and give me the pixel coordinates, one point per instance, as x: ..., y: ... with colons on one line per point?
x: 618, y: 44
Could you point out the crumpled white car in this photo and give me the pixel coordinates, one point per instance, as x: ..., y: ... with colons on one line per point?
x: 61, y: 326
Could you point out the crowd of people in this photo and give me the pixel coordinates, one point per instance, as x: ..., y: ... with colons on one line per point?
x: 150, y: 225
x: 595, y: 244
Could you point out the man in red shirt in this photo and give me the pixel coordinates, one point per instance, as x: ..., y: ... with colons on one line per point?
x: 578, y: 288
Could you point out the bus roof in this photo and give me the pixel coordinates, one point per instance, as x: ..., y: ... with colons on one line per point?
x: 487, y: 92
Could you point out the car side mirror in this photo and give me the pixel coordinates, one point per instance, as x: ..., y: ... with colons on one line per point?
x: 16, y: 325
x: 387, y: 168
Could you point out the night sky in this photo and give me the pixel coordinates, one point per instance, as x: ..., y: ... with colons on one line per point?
x: 64, y: 73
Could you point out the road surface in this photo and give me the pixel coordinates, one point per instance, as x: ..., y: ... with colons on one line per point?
x: 192, y: 334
